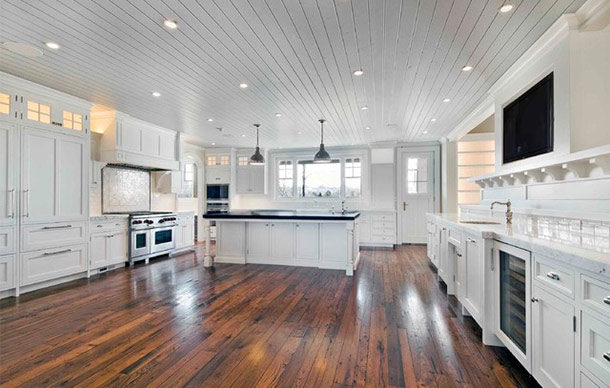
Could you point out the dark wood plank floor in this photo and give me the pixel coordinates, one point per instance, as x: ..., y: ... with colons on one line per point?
x: 175, y: 323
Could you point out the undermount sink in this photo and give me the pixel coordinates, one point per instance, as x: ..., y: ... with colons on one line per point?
x: 481, y: 222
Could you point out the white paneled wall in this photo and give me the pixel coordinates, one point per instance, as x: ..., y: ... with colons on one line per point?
x: 475, y: 156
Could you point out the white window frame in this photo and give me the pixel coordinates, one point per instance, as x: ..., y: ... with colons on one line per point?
x: 296, y: 156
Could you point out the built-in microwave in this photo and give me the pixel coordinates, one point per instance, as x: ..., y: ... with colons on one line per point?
x: 217, y: 192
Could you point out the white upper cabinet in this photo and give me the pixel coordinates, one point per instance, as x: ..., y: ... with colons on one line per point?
x: 46, y: 112
x: 53, y: 177
x: 135, y: 142
x: 8, y: 187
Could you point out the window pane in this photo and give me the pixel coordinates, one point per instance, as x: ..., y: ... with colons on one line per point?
x: 412, y: 164
x: 319, y: 179
x: 412, y: 176
x: 45, y: 109
x: 5, y: 103
x: 352, y: 187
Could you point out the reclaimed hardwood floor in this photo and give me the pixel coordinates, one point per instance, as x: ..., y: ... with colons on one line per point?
x: 175, y: 323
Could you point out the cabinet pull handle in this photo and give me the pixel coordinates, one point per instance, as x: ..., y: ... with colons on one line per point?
x: 607, y: 300
x: 471, y: 240
x: 57, y: 227
x: 552, y: 275
x: 607, y: 356
x: 493, y: 260
x: 458, y: 254
x: 27, y: 202
x: 56, y: 252
x: 11, y: 200
x: 534, y: 300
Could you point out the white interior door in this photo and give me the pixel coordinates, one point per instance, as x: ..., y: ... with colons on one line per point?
x: 417, y: 194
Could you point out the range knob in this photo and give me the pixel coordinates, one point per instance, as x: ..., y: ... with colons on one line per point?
x: 136, y: 222
x: 148, y: 222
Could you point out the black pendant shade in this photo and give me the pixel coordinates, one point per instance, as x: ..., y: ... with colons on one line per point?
x: 321, y: 156
x: 257, y: 158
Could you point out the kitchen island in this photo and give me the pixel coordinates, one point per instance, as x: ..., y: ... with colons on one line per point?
x: 319, y: 239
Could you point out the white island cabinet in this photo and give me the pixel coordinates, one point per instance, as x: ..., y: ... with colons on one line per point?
x: 322, y: 240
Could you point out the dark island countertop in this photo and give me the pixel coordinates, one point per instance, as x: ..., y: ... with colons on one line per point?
x: 285, y: 215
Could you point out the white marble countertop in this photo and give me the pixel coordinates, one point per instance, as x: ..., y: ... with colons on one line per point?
x: 569, y: 252
x: 106, y: 217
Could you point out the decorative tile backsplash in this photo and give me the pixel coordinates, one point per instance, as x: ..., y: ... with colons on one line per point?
x: 125, y: 190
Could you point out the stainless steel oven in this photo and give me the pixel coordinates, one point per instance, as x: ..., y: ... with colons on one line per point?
x: 152, y: 234
x: 162, y: 239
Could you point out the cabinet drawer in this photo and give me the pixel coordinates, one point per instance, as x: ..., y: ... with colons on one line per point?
x: 586, y: 382
x: 53, y: 263
x: 595, y: 294
x: 383, y: 232
x: 218, y: 175
x: 382, y: 239
x: 7, y: 240
x: 383, y: 217
x: 595, y: 347
x: 383, y: 224
x: 557, y: 277
x: 54, y: 235
x: 7, y: 272
x: 455, y: 237
x: 107, y: 225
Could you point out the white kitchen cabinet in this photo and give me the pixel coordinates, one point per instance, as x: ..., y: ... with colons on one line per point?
x: 230, y: 242
x: 8, y: 166
x: 595, y: 345
x: 218, y: 175
x: 7, y: 272
x: 46, y: 112
x: 53, y: 177
x: 377, y: 228
x: 53, y: 263
x: 333, y: 245
x: 52, y: 235
x: 118, y: 251
x: 258, y: 242
x: 443, y: 259
x: 109, y: 243
x: 472, y: 290
x: 251, y: 180
x: 282, y: 241
x: 184, y: 231
x: 306, y: 242
x: 99, y: 250
x: 8, y: 239
x: 553, y: 335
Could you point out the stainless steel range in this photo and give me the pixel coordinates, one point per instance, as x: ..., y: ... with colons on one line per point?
x: 152, y: 234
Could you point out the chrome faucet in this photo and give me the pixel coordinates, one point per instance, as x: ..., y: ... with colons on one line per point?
x: 509, y: 213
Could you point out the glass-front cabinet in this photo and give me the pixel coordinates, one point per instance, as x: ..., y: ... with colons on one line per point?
x: 513, y: 307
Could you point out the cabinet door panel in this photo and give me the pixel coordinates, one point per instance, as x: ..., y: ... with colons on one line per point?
x: 167, y: 146
x: 99, y: 251
x: 257, y: 180
x: 117, y: 247
x: 38, y: 176
x: 553, y: 340
x: 258, y: 240
x: 71, y: 176
x: 243, y: 180
x: 306, y: 242
x: 282, y: 237
x: 130, y: 137
x: 8, y: 193
x: 474, y: 277
x: 189, y: 233
x: 7, y: 272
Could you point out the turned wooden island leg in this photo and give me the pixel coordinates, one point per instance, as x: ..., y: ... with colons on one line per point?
x: 207, y: 260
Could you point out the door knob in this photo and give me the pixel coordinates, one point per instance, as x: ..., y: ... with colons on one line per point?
x: 404, y: 206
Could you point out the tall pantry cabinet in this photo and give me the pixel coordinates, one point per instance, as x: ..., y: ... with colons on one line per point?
x: 44, y: 190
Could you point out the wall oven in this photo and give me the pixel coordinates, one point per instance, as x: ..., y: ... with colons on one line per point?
x: 217, y: 192
x: 162, y: 239
x: 513, y: 307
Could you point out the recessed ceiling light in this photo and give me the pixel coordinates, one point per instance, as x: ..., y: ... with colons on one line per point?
x: 364, y: 107
x: 425, y: 132
x: 22, y: 49
x: 243, y: 135
x: 213, y: 143
x: 367, y: 127
x: 210, y: 120
x: 433, y: 120
x: 446, y: 100
x: 156, y: 94
x: 171, y: 24
x: 467, y: 68
x: 278, y: 115
x: 243, y: 85
x: 52, y: 45
x: 298, y: 133
x: 506, y: 8
x: 358, y: 72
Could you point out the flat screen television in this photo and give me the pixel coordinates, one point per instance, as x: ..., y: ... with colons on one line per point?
x: 528, y: 123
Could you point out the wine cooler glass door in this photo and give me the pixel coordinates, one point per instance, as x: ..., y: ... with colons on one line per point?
x: 514, y: 317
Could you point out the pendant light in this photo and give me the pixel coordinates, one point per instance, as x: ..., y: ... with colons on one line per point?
x: 257, y: 159
x: 321, y: 156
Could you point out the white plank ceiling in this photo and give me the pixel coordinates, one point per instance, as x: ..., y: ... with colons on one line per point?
x: 296, y: 56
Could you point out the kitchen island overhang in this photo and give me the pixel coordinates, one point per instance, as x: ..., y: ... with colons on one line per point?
x: 318, y: 239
